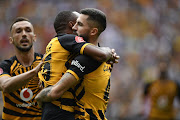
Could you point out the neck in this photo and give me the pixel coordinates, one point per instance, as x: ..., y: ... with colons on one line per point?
x: 94, y: 41
x: 25, y: 58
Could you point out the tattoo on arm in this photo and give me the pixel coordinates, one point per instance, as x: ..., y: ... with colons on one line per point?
x: 43, y: 95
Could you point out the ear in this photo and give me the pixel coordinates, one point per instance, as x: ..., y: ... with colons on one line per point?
x: 11, y: 41
x: 94, y: 31
x: 34, y: 38
x: 71, y: 24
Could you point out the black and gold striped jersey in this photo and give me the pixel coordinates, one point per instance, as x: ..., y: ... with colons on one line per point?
x: 59, y: 53
x: 161, y: 95
x: 20, y: 104
x: 92, y: 89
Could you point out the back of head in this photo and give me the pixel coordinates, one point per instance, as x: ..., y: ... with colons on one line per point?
x: 62, y: 20
x: 97, y: 16
x: 19, y: 19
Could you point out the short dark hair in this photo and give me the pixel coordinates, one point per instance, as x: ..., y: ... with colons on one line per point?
x: 62, y: 19
x: 18, y: 19
x: 97, y: 16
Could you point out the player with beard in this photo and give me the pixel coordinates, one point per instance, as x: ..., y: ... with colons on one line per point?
x: 59, y: 53
x: 91, y: 78
x: 18, y: 75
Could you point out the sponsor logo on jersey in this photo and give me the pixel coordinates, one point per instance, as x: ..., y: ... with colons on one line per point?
x: 77, y: 64
x: 79, y: 39
x: 1, y: 71
x: 26, y: 94
x: 25, y: 105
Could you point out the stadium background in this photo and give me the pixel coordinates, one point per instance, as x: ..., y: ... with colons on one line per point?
x: 141, y: 31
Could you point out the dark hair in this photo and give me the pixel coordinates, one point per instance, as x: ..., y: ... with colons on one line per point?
x: 97, y: 16
x: 62, y: 19
x: 18, y: 19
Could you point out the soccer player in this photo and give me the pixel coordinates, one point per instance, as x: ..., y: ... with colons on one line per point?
x: 92, y: 78
x: 161, y: 94
x: 59, y: 53
x: 18, y: 75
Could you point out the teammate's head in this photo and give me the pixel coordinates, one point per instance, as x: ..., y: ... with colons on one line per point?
x: 22, y: 34
x: 64, y: 21
x: 91, y: 22
x: 163, y: 70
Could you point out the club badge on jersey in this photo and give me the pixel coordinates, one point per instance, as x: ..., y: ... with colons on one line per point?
x: 1, y: 71
x: 79, y: 39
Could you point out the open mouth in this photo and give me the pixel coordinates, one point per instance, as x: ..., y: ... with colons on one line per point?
x: 24, y: 42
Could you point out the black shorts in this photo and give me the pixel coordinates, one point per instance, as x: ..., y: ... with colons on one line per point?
x: 53, y: 112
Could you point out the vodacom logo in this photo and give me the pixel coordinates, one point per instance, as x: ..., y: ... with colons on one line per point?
x: 26, y: 94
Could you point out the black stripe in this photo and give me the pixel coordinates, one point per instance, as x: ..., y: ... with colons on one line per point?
x: 78, y: 112
x: 14, y: 96
x: 92, y: 116
x: 14, y: 113
x: 106, y: 93
x: 35, y: 92
x: 101, y: 114
x: 22, y: 70
x: 72, y: 91
x: 13, y: 74
x: 67, y: 101
x: 78, y: 85
x: 81, y: 94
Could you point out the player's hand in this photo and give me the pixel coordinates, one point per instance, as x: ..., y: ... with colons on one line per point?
x: 38, y: 67
x: 39, y: 102
x: 114, y: 57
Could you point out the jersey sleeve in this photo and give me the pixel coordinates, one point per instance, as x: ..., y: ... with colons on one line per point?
x: 5, y: 68
x: 82, y: 65
x: 73, y: 43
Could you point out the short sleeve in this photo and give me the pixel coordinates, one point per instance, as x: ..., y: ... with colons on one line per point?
x: 82, y: 65
x: 73, y: 43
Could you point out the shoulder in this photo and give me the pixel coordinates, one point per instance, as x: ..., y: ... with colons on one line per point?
x: 5, y: 65
x: 8, y: 61
x: 66, y: 37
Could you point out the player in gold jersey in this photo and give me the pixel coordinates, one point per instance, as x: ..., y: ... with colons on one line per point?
x: 161, y: 94
x: 59, y: 53
x: 92, y: 78
x: 18, y: 75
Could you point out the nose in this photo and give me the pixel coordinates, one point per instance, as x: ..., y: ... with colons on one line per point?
x: 23, y: 33
x: 75, y: 27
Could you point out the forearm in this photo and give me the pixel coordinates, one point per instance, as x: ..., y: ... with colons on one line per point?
x: 44, y: 95
x: 56, y: 91
x: 10, y: 84
x: 98, y: 53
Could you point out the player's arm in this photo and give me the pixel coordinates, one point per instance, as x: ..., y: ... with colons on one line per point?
x: 9, y: 84
x: 56, y: 91
x: 102, y: 54
x: 77, y: 45
x: 68, y: 79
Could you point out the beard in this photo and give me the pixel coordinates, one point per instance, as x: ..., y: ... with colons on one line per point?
x: 23, y: 49
x: 85, y: 37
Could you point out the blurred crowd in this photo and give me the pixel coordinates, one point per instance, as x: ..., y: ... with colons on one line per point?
x: 141, y: 31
